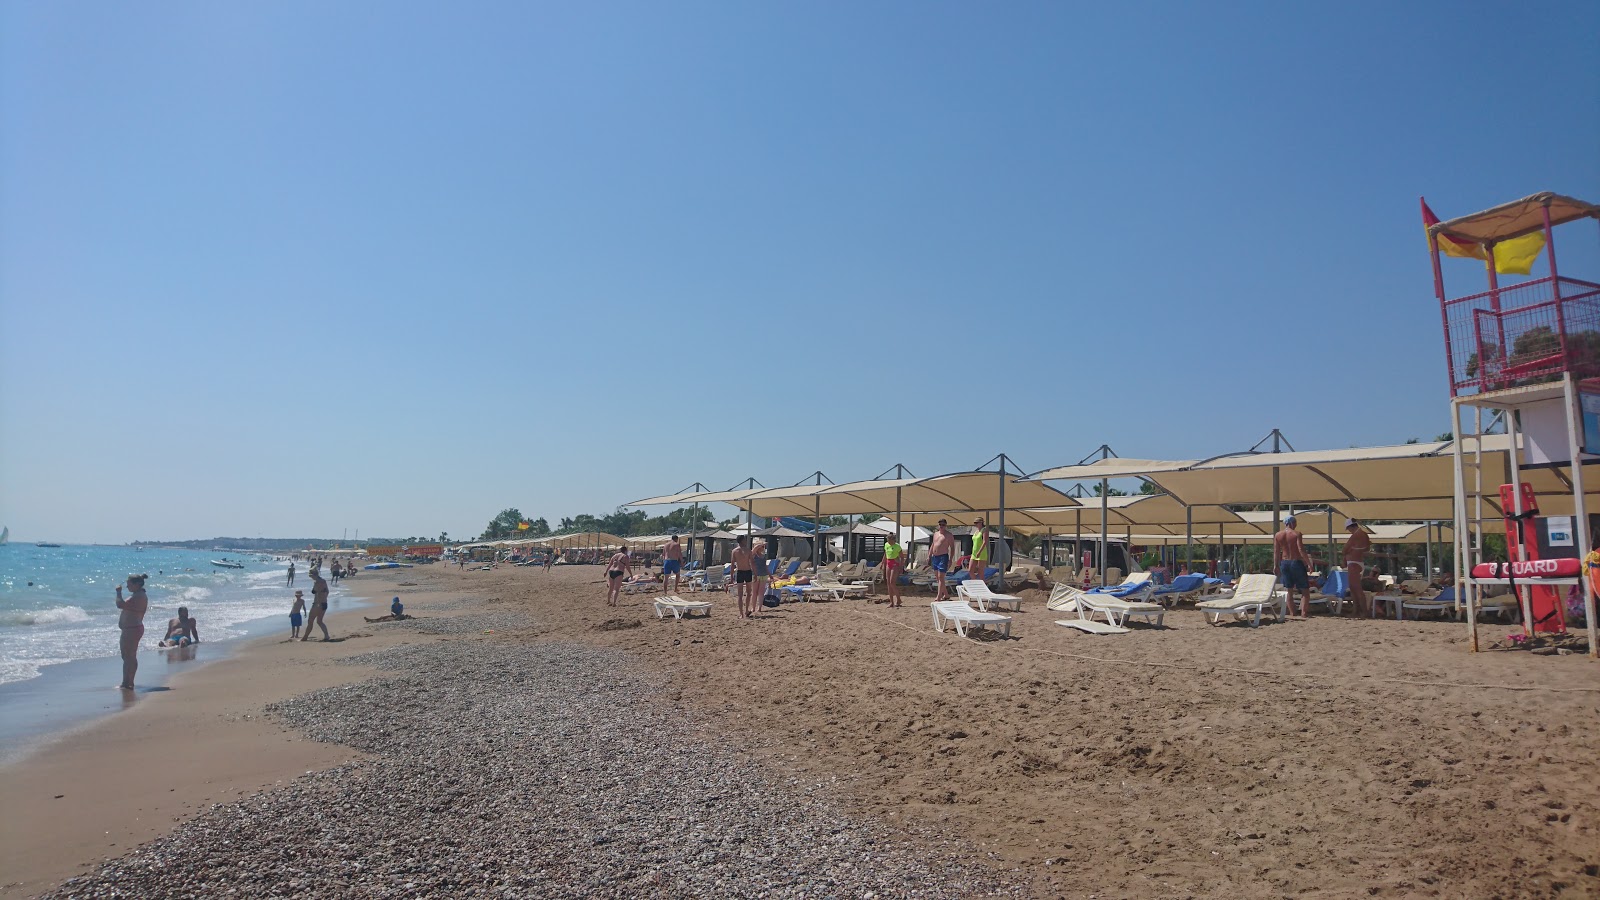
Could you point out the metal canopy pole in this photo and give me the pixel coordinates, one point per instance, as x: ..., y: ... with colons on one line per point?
x: 1427, y: 557
x: 1466, y: 591
x: 1580, y: 510
x: 1328, y: 569
x: 1513, y: 427
x: 1188, y: 536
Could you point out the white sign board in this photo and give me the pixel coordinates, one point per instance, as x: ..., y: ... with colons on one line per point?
x: 1559, y: 531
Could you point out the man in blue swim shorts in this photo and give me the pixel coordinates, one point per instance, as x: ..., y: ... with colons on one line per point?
x: 1293, y: 565
x: 939, y: 558
x: 671, y: 563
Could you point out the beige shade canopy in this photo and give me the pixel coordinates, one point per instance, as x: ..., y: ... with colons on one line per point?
x: 1113, y: 467
x: 956, y: 493
x: 581, y: 540
x: 826, y: 499
x: 1517, y: 218
x: 1154, y: 514
x: 700, y: 497
x: 1399, y: 472
x: 1313, y: 528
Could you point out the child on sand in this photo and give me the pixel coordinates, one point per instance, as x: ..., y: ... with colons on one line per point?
x: 295, y: 613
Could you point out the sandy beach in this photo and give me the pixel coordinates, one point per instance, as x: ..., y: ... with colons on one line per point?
x: 1329, y: 757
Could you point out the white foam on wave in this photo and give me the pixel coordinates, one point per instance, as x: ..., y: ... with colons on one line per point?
x: 56, y: 615
x: 194, y: 594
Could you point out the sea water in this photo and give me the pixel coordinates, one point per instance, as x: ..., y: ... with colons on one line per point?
x: 58, y: 604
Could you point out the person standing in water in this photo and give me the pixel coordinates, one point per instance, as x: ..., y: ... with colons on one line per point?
x: 291, y: 576
x: 131, y: 622
x: 319, y: 606
x: 619, y: 566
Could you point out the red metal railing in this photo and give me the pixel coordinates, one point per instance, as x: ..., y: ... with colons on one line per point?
x: 1540, y: 329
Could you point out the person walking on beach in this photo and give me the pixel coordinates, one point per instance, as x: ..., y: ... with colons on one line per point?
x: 291, y: 576
x: 1293, y: 565
x: 892, y: 551
x: 319, y: 606
x: 295, y: 613
x: 939, y: 558
x: 336, y: 570
x: 978, y: 561
x: 671, y: 563
x: 131, y: 623
x: 619, y: 566
x: 742, y: 575
x: 1355, y: 554
x: 758, y: 573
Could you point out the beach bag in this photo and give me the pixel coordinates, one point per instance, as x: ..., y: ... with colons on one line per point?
x: 771, y: 599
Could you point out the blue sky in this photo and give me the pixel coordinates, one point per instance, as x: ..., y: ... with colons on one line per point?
x: 294, y: 268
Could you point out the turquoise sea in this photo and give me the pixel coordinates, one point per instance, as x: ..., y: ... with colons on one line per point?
x: 57, y: 604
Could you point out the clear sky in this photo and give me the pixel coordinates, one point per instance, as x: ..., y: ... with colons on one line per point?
x: 292, y: 268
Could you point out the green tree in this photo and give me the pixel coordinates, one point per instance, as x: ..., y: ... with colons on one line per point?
x: 538, y: 528
x: 503, y: 525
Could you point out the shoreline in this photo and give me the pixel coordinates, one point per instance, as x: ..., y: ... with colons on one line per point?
x: 71, y: 801
x: 1314, y: 755
x: 68, y: 696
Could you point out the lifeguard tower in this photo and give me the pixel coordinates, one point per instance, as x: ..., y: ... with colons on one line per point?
x: 1524, y: 358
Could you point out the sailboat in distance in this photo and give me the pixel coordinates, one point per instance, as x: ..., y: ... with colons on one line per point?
x: 5, y: 535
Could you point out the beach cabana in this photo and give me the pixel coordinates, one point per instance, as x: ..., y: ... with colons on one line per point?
x: 854, y: 538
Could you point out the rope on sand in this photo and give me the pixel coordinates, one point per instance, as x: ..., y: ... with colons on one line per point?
x: 1284, y: 675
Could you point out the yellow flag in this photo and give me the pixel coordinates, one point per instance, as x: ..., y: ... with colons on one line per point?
x: 1513, y: 257
x: 1516, y: 256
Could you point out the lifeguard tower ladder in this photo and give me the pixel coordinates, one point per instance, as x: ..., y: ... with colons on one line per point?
x: 1527, y: 355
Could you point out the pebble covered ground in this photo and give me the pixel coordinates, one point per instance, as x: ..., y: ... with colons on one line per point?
x: 502, y: 769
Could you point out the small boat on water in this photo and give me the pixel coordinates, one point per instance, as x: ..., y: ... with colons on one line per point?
x: 46, y: 544
x: 227, y: 564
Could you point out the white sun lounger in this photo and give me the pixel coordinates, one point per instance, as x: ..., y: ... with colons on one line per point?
x: 1064, y: 598
x: 977, y: 591
x: 962, y: 615
x: 827, y: 583
x: 1253, y: 594
x: 1116, y: 610
x: 681, y: 608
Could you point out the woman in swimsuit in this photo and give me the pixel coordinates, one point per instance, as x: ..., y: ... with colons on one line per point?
x: 619, y: 566
x: 319, y: 606
x: 131, y: 621
x: 758, y: 569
